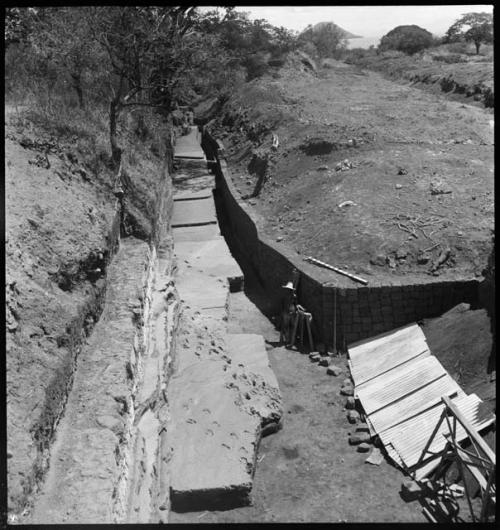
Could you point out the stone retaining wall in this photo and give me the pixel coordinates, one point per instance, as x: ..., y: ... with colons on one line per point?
x: 361, y: 311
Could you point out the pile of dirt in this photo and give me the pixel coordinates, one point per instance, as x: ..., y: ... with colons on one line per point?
x: 462, y: 341
x: 62, y: 228
x: 381, y: 179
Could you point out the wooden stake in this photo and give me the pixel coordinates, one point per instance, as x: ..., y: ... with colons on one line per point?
x: 335, y: 321
x: 335, y: 269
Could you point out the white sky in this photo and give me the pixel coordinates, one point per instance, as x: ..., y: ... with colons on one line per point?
x: 370, y: 22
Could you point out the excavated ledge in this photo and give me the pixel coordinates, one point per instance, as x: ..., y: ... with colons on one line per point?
x: 223, y: 395
x: 88, y: 456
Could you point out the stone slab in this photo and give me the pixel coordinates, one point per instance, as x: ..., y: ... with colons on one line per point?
x: 196, y: 233
x: 201, y: 293
x: 192, y: 213
x: 211, y: 258
x: 193, y: 195
x: 188, y: 146
x: 219, y: 406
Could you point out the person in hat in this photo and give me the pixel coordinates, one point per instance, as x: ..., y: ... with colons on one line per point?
x: 288, y: 312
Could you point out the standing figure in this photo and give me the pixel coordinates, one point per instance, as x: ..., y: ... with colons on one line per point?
x: 288, y: 313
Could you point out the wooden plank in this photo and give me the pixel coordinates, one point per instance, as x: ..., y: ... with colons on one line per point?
x: 474, y: 471
x: 399, y: 382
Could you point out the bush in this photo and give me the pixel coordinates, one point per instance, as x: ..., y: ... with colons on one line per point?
x: 450, y: 59
x: 459, y: 47
x: 407, y: 39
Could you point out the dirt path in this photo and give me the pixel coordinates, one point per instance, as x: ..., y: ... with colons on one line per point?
x: 307, y: 472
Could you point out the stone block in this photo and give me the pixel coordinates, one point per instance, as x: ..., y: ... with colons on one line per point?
x: 334, y: 370
x: 359, y: 438
x: 363, y: 447
x: 353, y: 416
x: 347, y: 391
x: 350, y: 403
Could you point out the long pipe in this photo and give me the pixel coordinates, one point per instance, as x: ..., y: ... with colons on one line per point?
x: 335, y: 269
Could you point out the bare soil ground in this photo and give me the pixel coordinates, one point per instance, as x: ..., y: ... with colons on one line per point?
x: 418, y: 174
x: 307, y: 472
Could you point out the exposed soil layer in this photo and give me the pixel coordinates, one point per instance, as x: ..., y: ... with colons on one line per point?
x: 372, y: 176
x: 462, y: 340
x: 462, y: 76
x: 62, y: 227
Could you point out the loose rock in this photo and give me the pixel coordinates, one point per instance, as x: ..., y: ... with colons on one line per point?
x: 363, y: 447
x: 359, y: 438
x: 410, y: 490
x: 379, y: 260
x: 323, y: 361
x: 334, y: 370
x: 347, y: 391
x: 315, y: 357
x: 350, y: 403
x: 362, y: 427
x: 353, y: 416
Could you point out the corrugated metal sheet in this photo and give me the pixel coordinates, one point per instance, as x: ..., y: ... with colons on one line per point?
x: 413, y: 404
x: 399, y: 382
x: 360, y: 348
x: 400, y: 386
x: 393, y: 350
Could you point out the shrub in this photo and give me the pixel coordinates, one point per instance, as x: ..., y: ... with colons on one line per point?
x: 450, y: 58
x: 407, y: 39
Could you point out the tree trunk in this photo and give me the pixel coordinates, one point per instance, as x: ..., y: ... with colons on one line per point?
x: 116, y: 152
x: 478, y: 45
x: 77, y: 85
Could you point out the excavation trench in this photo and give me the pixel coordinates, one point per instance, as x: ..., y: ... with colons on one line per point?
x: 113, y: 398
x: 337, y: 303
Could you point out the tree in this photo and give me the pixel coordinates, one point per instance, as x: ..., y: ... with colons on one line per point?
x: 472, y: 27
x: 327, y: 37
x: 407, y: 39
x: 144, y: 51
x: 60, y: 37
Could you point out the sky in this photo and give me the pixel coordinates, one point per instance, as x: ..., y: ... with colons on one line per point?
x: 370, y: 22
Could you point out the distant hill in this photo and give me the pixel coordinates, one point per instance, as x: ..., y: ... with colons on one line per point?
x: 347, y: 34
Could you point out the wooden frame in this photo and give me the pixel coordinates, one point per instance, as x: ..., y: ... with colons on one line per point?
x: 479, y: 459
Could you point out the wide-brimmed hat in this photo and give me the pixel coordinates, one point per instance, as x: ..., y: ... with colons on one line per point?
x: 289, y: 285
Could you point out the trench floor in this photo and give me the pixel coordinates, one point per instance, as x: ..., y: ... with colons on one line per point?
x: 307, y: 472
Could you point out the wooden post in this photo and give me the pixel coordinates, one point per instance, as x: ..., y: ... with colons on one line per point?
x: 335, y: 351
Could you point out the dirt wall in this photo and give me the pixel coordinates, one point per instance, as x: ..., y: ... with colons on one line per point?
x: 361, y: 311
